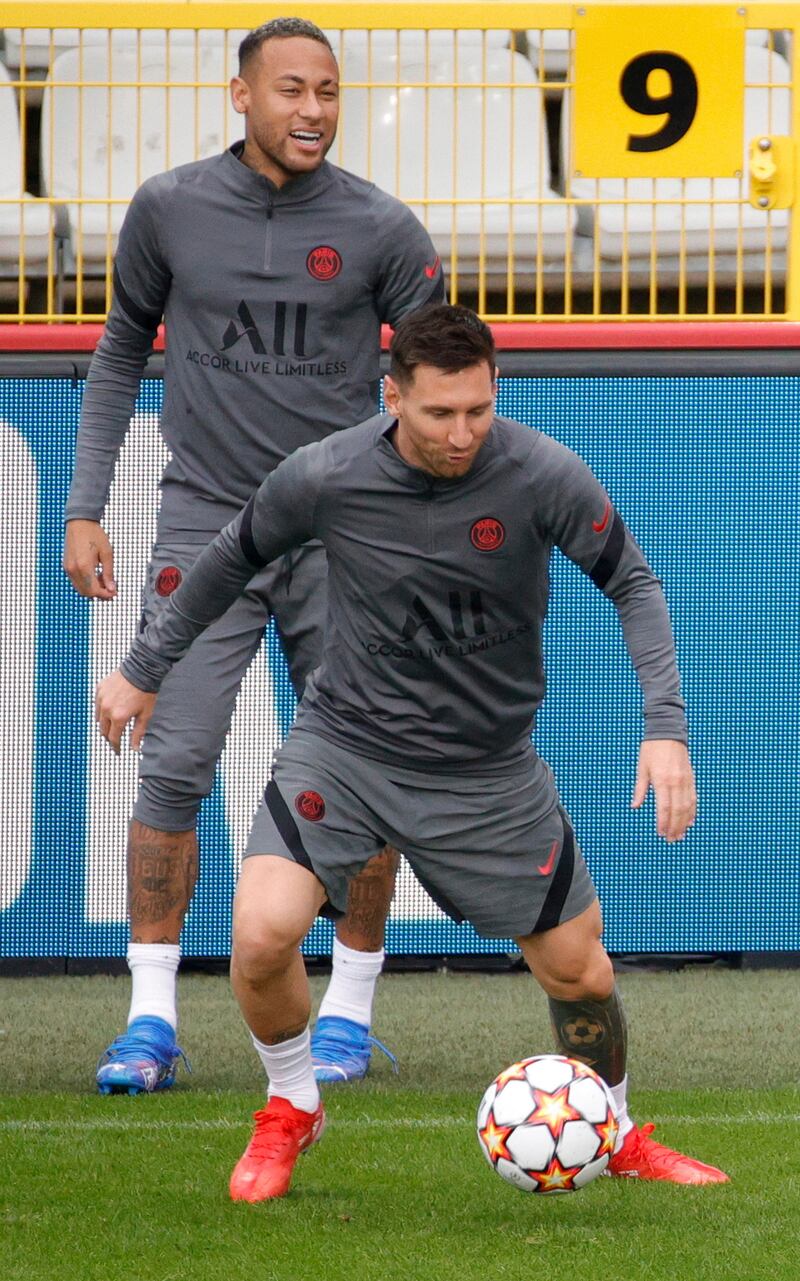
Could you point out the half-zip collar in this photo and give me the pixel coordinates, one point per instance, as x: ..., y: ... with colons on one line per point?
x: 306, y: 186
x: 414, y: 478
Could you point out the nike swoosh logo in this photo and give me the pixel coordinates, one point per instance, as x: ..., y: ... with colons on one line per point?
x: 431, y: 271
x: 544, y: 869
x: 599, y: 525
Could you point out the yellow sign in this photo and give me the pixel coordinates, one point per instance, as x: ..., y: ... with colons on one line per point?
x: 659, y: 91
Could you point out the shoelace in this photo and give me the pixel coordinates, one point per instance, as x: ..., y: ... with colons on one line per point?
x: 329, y: 1043
x: 273, y: 1130
x: 666, y: 1155
x: 129, y: 1046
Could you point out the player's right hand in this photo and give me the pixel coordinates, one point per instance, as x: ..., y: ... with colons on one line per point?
x: 116, y: 702
x: 89, y: 559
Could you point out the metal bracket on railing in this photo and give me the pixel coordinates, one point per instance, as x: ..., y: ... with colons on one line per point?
x: 771, y: 172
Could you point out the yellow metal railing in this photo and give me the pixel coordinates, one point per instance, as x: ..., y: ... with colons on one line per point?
x: 570, y: 162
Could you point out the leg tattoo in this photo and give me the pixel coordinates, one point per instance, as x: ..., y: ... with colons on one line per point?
x: 288, y: 1034
x: 368, y: 900
x: 162, y: 871
x: 594, y: 1032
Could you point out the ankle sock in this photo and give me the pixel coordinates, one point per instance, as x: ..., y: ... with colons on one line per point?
x: 352, y: 985
x: 289, y: 1070
x: 154, y: 969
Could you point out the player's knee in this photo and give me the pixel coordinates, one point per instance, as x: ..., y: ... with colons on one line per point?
x: 575, y: 973
x: 262, y: 948
x: 576, y: 977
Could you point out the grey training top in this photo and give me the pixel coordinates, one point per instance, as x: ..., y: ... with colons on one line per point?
x: 438, y: 592
x: 273, y: 301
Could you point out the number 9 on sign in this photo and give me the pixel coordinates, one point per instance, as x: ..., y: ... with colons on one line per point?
x: 679, y: 103
x: 659, y: 91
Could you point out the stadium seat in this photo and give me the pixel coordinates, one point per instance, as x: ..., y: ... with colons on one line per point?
x: 412, y: 42
x: 549, y: 51
x: 706, y: 235
x: 100, y: 143
x: 43, y: 45
x: 24, y: 229
x: 422, y: 142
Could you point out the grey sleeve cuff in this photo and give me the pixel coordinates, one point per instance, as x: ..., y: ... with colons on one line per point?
x: 144, y: 668
x: 77, y: 512
x: 668, y: 720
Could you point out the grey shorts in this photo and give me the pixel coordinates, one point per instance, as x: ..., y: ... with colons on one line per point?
x: 494, y: 849
x: 195, y: 704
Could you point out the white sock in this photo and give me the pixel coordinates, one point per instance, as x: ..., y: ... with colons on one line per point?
x: 290, y: 1072
x: 154, y: 970
x: 620, y: 1096
x: 352, y: 986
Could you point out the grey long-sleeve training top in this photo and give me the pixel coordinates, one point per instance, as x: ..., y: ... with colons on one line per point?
x: 273, y: 301
x: 438, y: 592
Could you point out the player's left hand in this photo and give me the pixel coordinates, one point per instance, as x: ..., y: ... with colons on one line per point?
x: 664, y: 765
x: 116, y: 702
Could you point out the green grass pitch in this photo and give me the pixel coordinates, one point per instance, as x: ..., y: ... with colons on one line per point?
x: 124, y: 1189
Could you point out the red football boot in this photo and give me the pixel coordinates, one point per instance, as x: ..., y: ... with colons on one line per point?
x: 640, y: 1157
x: 282, y: 1132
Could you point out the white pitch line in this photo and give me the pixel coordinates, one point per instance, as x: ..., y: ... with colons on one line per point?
x: 120, y: 1124
x: 224, y: 1123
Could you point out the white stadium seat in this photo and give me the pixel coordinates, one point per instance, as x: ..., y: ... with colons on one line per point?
x: 101, y: 143
x: 467, y: 144
x: 411, y: 42
x: 549, y: 51
x: 708, y: 227
x: 43, y: 45
x: 24, y: 229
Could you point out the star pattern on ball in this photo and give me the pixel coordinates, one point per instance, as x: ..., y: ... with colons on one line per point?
x: 514, y: 1073
x: 494, y: 1137
x: 582, y: 1069
x: 553, y: 1110
x: 608, y: 1133
x: 556, y: 1178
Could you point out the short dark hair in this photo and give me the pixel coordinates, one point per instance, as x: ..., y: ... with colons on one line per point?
x: 448, y: 337
x: 279, y: 29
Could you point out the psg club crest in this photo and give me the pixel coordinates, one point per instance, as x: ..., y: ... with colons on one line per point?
x: 310, y: 805
x: 324, y: 263
x: 169, y: 578
x: 487, y: 534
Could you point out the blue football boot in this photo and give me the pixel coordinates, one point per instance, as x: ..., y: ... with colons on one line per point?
x: 141, y: 1060
x: 340, y: 1050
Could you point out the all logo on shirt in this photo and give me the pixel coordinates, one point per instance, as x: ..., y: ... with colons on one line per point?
x: 310, y: 805
x: 169, y: 578
x: 324, y: 263
x: 487, y: 534
x: 454, y: 624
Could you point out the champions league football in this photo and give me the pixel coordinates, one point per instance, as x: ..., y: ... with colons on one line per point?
x: 547, y: 1124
